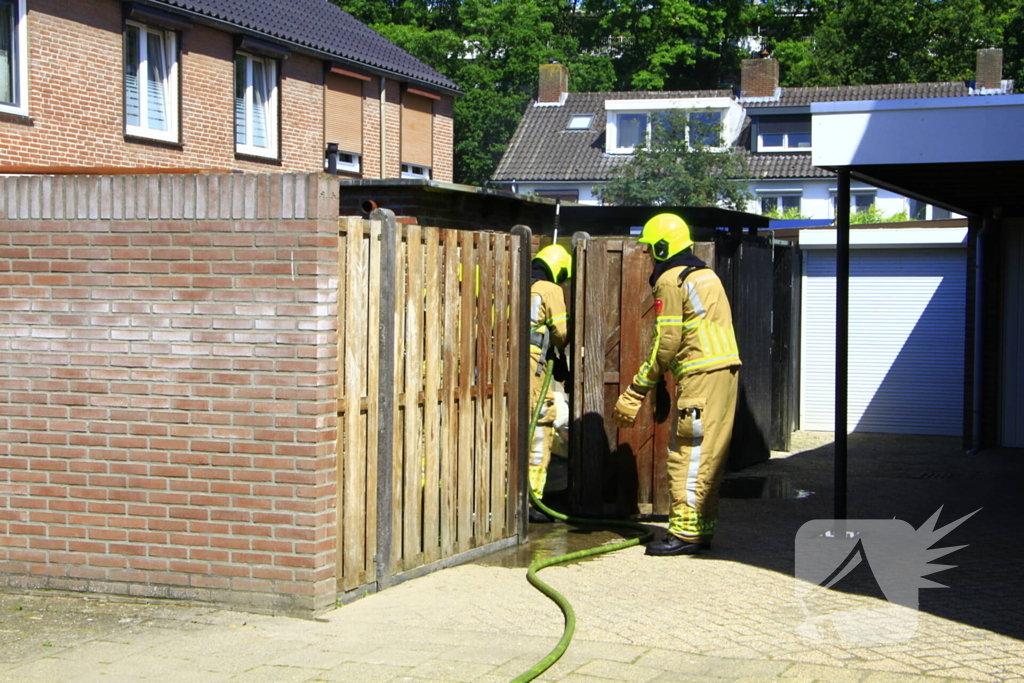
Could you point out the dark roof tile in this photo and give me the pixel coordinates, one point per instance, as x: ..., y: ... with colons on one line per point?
x: 543, y: 148
x: 760, y: 166
x: 320, y: 26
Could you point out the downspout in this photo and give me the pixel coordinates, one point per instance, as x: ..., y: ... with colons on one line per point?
x: 383, y: 125
x: 978, y: 336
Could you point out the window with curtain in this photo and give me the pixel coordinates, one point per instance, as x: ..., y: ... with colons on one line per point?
x: 632, y: 129
x: 150, y: 82
x: 13, y: 65
x: 780, y: 204
x: 255, y: 105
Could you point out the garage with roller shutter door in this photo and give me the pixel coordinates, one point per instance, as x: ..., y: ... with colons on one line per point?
x: 906, y: 353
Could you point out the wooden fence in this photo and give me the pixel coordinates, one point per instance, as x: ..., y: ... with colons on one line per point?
x: 623, y: 472
x: 432, y: 397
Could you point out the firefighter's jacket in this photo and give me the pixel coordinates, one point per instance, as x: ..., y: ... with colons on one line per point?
x: 693, y: 331
x: 549, y: 320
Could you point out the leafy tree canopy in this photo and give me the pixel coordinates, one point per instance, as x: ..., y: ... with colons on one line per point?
x: 492, y: 48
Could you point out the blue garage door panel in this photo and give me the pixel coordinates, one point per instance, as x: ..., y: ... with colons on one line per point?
x: 906, y: 362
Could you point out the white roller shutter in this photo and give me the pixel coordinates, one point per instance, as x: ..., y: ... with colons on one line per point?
x: 906, y: 359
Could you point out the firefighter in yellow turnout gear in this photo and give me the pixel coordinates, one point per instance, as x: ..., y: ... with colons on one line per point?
x: 549, y: 323
x: 694, y: 339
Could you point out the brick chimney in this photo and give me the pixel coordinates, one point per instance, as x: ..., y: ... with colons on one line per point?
x: 554, y: 83
x: 989, y: 73
x: 759, y: 77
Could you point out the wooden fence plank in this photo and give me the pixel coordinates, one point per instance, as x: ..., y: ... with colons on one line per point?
x: 499, y: 402
x: 343, y: 284
x: 595, y: 439
x: 373, y: 383
x: 384, y: 558
x: 412, y: 495
x: 431, y: 409
x: 467, y: 324
x: 484, y: 355
x: 450, y: 391
x: 401, y: 292
x: 354, y: 470
x: 519, y: 395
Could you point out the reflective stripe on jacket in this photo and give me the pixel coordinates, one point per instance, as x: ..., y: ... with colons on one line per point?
x: 693, y: 331
x: 548, y: 316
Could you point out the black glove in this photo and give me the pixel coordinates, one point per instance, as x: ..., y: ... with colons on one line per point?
x: 560, y: 370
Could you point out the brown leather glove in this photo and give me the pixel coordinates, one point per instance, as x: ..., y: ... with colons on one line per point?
x: 626, y: 408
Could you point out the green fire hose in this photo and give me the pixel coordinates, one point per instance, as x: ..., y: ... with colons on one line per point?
x: 531, y: 573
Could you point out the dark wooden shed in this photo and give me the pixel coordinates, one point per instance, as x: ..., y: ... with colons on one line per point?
x: 621, y: 472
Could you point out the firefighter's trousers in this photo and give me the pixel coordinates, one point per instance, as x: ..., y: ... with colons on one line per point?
x: 540, y: 449
x: 698, y: 450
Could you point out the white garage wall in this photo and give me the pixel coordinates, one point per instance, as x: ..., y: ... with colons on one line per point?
x: 906, y: 360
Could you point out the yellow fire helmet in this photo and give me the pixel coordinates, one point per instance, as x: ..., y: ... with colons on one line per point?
x: 558, y: 261
x: 668, y: 234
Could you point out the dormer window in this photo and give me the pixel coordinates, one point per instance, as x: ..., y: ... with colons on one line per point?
x: 580, y: 121
x: 787, y: 133
x: 706, y: 121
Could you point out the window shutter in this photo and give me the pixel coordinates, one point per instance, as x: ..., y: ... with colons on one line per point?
x: 417, y: 130
x: 785, y: 123
x: 343, y: 119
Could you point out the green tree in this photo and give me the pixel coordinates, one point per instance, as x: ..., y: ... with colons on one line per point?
x: 663, y: 44
x: 873, y: 215
x: 856, y: 42
x: 680, y: 165
x: 491, y: 49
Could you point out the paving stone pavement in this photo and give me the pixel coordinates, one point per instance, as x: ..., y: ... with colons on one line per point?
x: 731, y: 615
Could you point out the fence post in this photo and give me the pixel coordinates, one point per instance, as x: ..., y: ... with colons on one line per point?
x: 577, y: 324
x: 385, y: 398
x: 519, y: 428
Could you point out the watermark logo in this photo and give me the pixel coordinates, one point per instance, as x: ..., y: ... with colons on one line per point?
x: 837, y: 560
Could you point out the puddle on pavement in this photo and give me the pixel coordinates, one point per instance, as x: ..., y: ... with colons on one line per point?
x: 549, y: 540
x: 771, y: 486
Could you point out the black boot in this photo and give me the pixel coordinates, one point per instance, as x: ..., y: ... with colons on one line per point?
x: 673, y: 545
x: 538, y: 517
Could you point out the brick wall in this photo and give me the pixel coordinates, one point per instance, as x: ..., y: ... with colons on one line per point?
x: 76, y: 103
x: 167, y: 387
x: 759, y: 77
x: 444, y: 140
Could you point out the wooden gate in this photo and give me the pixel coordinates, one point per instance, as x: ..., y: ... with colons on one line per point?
x: 432, y: 408
x: 623, y: 472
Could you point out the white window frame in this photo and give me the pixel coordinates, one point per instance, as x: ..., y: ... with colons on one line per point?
x: 785, y: 147
x: 20, y: 106
x: 730, y: 113
x: 347, y: 161
x: 779, y: 194
x: 171, y: 90
x: 247, y: 148
x: 414, y: 171
x: 613, y: 126
x: 833, y: 196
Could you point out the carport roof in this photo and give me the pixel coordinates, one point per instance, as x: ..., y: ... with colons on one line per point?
x: 965, y: 187
x: 952, y: 152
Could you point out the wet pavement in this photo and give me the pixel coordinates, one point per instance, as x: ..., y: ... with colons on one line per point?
x: 731, y: 615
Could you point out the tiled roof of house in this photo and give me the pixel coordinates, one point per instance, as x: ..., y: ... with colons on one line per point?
x: 784, y: 166
x: 542, y: 148
x: 798, y: 97
x: 318, y: 25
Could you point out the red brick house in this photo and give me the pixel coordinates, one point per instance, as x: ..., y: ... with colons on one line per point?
x: 228, y: 85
